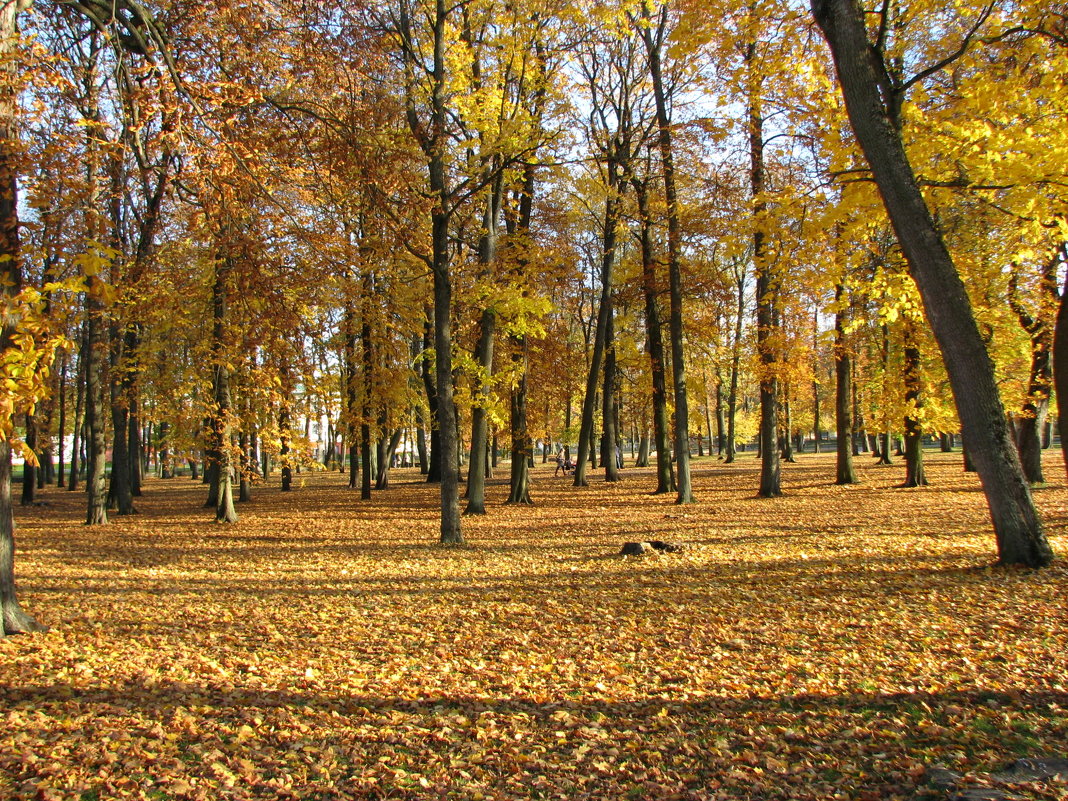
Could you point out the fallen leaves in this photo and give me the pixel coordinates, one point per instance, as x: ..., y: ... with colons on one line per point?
x: 829, y: 644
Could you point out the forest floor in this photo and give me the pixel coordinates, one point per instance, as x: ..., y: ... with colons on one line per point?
x: 830, y: 644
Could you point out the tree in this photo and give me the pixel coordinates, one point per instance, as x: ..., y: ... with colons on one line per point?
x: 873, y: 108
x: 654, y: 35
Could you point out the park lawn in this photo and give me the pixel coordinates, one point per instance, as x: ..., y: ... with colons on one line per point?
x: 833, y: 643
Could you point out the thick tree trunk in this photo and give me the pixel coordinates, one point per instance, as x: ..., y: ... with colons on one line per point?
x: 1017, y: 526
x: 15, y: 619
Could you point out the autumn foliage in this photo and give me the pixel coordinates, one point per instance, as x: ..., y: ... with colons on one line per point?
x: 834, y: 643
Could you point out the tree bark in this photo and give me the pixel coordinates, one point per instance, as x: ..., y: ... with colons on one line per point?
x: 736, y: 360
x: 914, y: 472
x: 1032, y: 419
x: 1060, y: 370
x: 522, y: 447
x: 845, y: 472
x: 654, y: 48
x: 29, y: 470
x: 608, y: 258
x: 665, y: 475
x: 767, y: 296
x: 1017, y: 527
x: 610, y: 433
x: 487, y: 255
x: 220, y: 418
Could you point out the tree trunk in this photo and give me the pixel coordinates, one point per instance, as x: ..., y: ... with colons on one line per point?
x: 60, y: 445
x: 284, y: 435
x: 1036, y: 406
x: 736, y: 359
x: 15, y: 619
x: 96, y: 511
x: 244, y: 490
x: 165, y: 459
x: 721, y: 429
x: 1017, y: 526
x: 433, y: 473
x: 220, y: 419
x: 385, y: 460
x: 367, y: 410
x: 787, y: 426
x: 665, y: 475
x: 767, y: 295
x: 522, y: 447
x: 1060, y: 370
x: 135, y: 448
x: 654, y: 48
x: 487, y: 254
x: 120, y: 494
x: 914, y: 472
x: 610, y: 434
x: 843, y: 395
x: 608, y: 257
x: 451, y: 531
x: 29, y: 471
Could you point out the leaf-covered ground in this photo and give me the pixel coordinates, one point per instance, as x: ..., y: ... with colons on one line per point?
x: 829, y: 644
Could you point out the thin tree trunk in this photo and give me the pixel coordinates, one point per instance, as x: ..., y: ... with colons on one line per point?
x: 914, y: 472
x: 522, y: 447
x: 665, y: 475
x: 220, y: 423
x: 1036, y: 406
x: 843, y: 395
x: 136, y: 448
x: 736, y: 359
x: 610, y: 434
x: 654, y: 48
x: 61, y: 444
x: 487, y: 254
x: 586, y: 442
x: 29, y: 471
